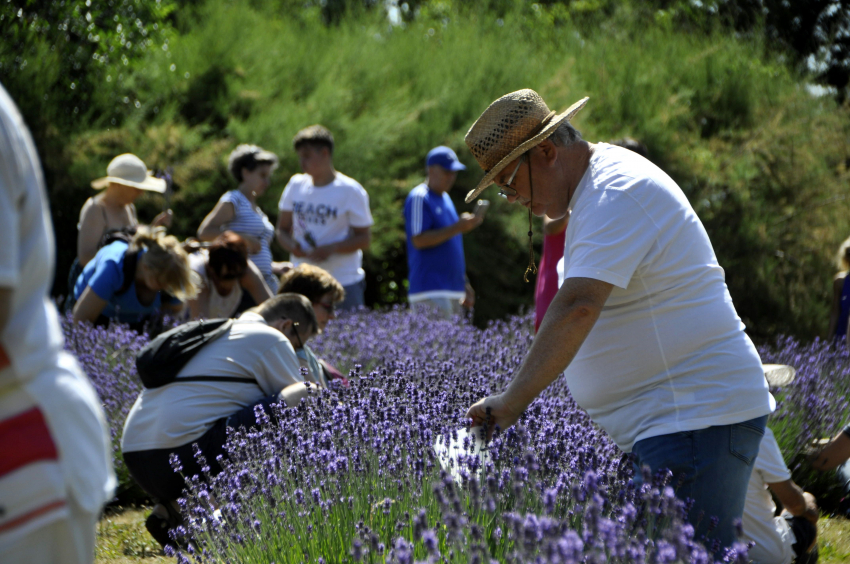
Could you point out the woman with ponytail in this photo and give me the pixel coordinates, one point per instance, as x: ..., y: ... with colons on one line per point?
x: 133, y: 282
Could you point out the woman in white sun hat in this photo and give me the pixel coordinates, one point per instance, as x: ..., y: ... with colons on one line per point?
x: 126, y: 179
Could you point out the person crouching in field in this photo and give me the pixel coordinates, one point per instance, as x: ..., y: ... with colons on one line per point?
x: 839, y: 315
x: 133, y: 282
x: 225, y: 272
x: 252, y: 364
x: 324, y: 293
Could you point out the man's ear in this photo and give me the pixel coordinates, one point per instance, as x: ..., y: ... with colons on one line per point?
x: 282, y: 324
x: 549, y: 151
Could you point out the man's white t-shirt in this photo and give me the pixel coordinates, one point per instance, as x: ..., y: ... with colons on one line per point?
x: 322, y: 215
x: 669, y: 352
x: 181, y: 412
x: 773, y: 537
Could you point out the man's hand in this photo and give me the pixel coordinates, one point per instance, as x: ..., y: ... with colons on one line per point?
x: 163, y: 219
x: 321, y: 252
x: 468, y: 221
x: 468, y: 299
x: 298, y: 251
x: 500, y: 413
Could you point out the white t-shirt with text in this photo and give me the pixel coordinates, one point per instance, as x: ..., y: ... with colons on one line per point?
x: 668, y: 352
x: 322, y: 215
x: 772, y: 535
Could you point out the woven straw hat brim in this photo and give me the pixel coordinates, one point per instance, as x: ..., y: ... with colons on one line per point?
x: 150, y: 183
x: 525, y: 146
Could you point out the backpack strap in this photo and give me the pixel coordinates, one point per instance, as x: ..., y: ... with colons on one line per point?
x: 129, y: 270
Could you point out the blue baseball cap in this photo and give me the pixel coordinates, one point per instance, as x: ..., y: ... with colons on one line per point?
x: 444, y: 157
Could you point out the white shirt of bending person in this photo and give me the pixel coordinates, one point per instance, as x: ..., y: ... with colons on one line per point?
x: 181, y: 412
x: 772, y: 535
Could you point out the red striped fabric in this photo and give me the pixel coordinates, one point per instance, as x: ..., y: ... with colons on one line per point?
x: 25, y: 439
x: 29, y: 516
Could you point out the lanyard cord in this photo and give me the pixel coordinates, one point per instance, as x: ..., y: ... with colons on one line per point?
x: 532, y: 268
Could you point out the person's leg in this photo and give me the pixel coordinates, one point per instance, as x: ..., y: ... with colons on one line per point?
x: 354, y: 296
x: 447, y: 307
x: 710, y: 466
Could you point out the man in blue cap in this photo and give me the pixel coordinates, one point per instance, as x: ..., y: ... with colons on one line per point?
x: 437, y: 270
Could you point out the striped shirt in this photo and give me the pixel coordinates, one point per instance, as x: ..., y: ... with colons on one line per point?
x: 252, y: 221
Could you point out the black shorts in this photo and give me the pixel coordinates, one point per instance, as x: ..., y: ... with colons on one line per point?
x: 805, y: 532
x: 152, y: 470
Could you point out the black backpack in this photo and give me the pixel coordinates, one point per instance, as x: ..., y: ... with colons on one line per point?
x: 159, y: 362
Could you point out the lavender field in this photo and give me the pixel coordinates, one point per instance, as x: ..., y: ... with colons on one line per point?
x: 352, y: 473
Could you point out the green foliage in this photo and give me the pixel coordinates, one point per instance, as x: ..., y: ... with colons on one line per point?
x: 762, y: 161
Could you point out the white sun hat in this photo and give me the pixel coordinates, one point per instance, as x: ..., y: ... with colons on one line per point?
x: 129, y: 170
x: 779, y: 375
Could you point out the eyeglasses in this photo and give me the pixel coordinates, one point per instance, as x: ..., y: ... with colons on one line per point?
x: 295, y: 333
x: 328, y: 307
x: 506, y: 190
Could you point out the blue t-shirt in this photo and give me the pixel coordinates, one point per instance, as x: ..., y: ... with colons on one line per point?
x: 438, y: 270
x: 105, y: 274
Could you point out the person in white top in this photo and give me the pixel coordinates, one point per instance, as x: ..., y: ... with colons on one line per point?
x: 791, y: 536
x: 252, y: 364
x: 55, y: 452
x: 324, y: 216
x: 643, y: 326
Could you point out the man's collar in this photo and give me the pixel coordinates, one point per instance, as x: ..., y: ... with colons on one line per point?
x: 252, y: 316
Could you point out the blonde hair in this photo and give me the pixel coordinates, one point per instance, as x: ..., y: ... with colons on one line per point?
x: 311, y: 281
x: 165, y: 258
x: 842, y: 261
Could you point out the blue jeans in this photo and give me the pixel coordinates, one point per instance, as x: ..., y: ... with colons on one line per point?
x: 353, y: 296
x: 710, y: 466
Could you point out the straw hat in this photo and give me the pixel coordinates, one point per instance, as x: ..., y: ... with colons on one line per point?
x: 512, y: 125
x: 129, y: 170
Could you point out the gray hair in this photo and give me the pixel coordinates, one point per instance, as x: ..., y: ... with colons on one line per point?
x: 565, y: 135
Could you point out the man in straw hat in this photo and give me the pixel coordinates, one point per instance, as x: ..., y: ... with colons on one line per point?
x: 643, y: 326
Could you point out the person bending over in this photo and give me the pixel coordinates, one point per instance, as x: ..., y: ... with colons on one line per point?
x: 252, y: 364
x: 127, y: 281
x: 225, y: 272
x: 324, y: 292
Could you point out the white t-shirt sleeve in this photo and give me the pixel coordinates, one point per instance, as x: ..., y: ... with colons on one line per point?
x: 9, y: 229
x: 769, y: 463
x: 612, y: 237
x: 285, y: 203
x: 359, y: 214
x: 277, y: 368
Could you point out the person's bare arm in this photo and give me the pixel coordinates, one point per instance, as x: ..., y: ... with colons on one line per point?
x: 199, y: 307
x: 360, y: 238
x: 283, y: 233
x: 568, y: 321
x: 554, y: 226
x: 253, y: 283
x: 210, y: 228
x: 797, y: 502
x: 835, y: 309
x: 89, y: 306
x: 433, y: 237
x: 833, y: 454
x: 91, y: 230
